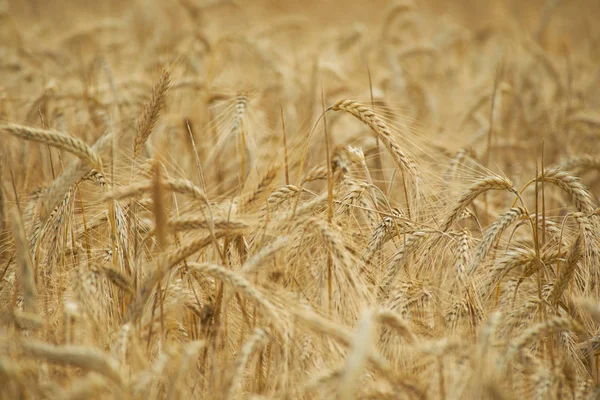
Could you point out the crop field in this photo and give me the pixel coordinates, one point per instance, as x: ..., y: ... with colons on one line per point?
x: 227, y: 199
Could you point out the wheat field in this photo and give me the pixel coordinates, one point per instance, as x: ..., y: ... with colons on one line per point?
x: 221, y: 199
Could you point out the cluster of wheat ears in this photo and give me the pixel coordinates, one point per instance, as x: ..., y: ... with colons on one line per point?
x: 194, y: 205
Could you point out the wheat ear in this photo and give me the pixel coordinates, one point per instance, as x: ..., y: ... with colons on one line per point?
x: 368, y: 116
x: 151, y: 112
x: 56, y: 139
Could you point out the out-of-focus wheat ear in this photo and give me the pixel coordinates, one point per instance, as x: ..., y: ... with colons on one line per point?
x: 393, y: 268
x: 567, y: 271
x: 237, y: 381
x: 262, y: 188
x: 151, y: 112
x: 87, y: 387
x: 340, y: 333
x: 26, y: 273
x: 56, y: 139
x: 396, y: 322
x: 240, y: 107
x: 396, y: 9
x: 119, y: 279
x: 356, y: 359
x: 71, y: 175
x: 553, y: 324
x: 190, y: 353
x: 479, y: 187
x: 191, y: 223
x: 580, y: 164
x: 239, y: 283
x: 384, y: 231
x: 182, y: 186
x: 492, y: 234
x: 192, y: 247
x: 265, y: 252
x: 87, y: 358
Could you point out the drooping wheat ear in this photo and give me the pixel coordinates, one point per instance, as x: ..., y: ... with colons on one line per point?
x: 493, y: 233
x: 582, y: 198
x: 71, y: 175
x: 181, y: 186
x: 315, y: 174
x: 385, y: 231
x: 192, y: 247
x: 396, y: 322
x: 56, y: 139
x: 394, y: 267
x: 479, y: 187
x: 356, y: 359
x: 118, y: 279
x: 2, y: 212
x: 576, y: 253
x: 191, y: 223
x: 87, y: 358
x: 262, y: 187
x: 367, y: 116
x: 265, y: 252
x: 327, y: 327
x: 97, y: 177
x: 253, y: 344
x: 151, y: 112
x: 190, y: 353
x: 554, y: 324
x: 580, y: 164
x: 301, y: 210
x: 240, y: 283
x: 355, y: 192
x: 26, y: 274
x: 279, y: 196
x: 519, y: 257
